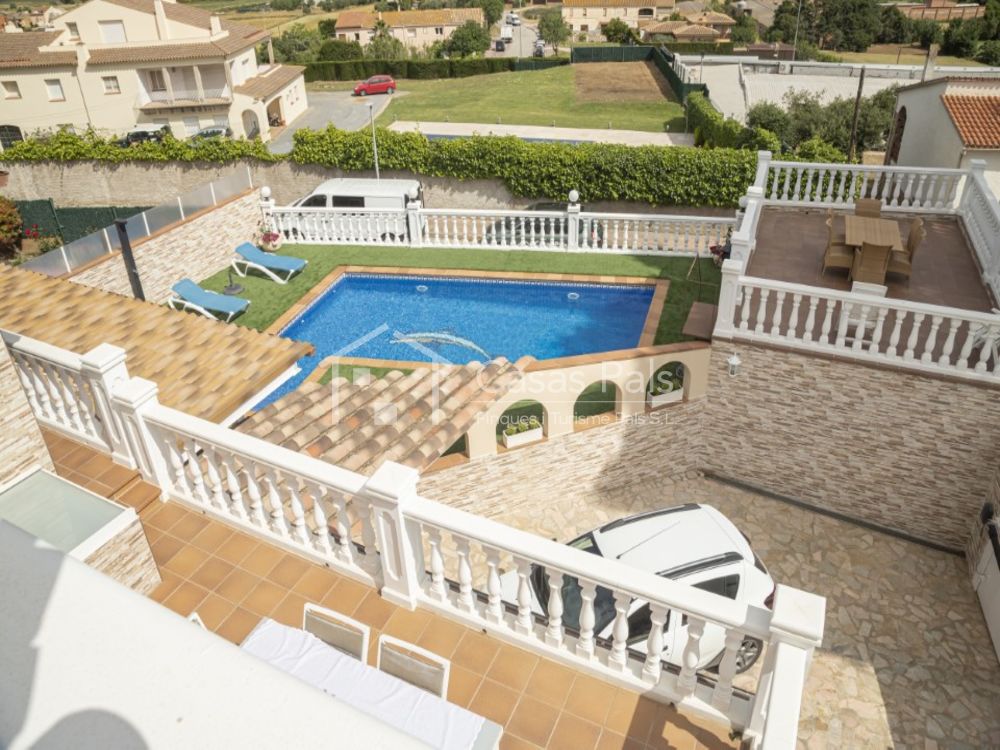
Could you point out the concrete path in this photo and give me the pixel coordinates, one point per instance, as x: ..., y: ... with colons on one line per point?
x: 543, y: 133
x: 336, y: 108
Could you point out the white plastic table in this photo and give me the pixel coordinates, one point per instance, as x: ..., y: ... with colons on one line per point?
x: 404, y: 706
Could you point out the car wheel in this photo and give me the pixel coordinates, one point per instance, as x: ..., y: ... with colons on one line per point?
x: 748, y: 654
x: 363, y: 92
x: 390, y: 90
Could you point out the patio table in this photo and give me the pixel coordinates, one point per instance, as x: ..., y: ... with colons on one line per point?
x: 406, y: 707
x: 861, y: 229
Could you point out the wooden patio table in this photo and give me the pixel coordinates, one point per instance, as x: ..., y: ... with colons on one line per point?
x: 861, y: 229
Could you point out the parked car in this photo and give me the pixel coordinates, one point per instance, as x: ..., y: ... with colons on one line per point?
x: 539, y: 51
x: 499, y: 45
x: 214, y: 131
x: 538, y: 230
x: 349, y: 192
x: 144, y: 133
x: 692, y: 544
x: 513, y: 19
x: 375, y: 85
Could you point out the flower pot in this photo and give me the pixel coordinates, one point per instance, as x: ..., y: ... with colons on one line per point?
x: 662, y: 399
x: 271, y: 247
x: 4, y: 174
x: 522, y: 438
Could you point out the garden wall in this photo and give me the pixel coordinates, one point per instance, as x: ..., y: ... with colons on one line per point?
x: 196, y: 248
x: 903, y: 451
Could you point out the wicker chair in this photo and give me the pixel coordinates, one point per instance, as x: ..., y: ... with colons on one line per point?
x: 871, y: 207
x: 901, y: 261
x: 838, y: 254
x: 871, y: 264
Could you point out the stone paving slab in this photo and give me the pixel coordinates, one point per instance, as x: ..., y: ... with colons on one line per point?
x: 906, y: 659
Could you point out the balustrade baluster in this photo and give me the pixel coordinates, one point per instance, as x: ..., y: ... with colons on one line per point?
x: 216, y: 491
x: 949, y: 342
x: 970, y: 340
x: 927, y: 356
x: 494, y: 605
x: 761, y: 311
x: 807, y: 334
x: 933, y: 190
x: 233, y: 485
x: 911, y: 343
x: 921, y: 194
x: 897, y: 328
x: 807, y: 193
x: 87, y: 407
x: 466, y: 602
x: 746, y: 302
x: 55, y: 397
x: 796, y: 194
x: 722, y: 695
x: 829, y: 176
x: 554, y: 628
x: 619, y: 631
x: 845, y: 314
x: 199, y: 492
x: 274, y: 502
x: 25, y: 375
x: 366, y: 516
x: 438, y: 590
x: 824, y: 334
x: 653, y: 665
x: 861, y: 329
x: 876, y: 341
x: 299, y: 531
x: 68, y: 394
x: 585, y: 645
x: 779, y: 304
x: 254, y: 496
x: 321, y: 524
x: 177, y: 464
x: 787, y: 174
x: 989, y: 340
x: 522, y: 623
x: 691, y: 656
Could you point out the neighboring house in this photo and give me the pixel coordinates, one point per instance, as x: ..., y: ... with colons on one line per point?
x: 940, y: 10
x: 588, y: 16
x: 948, y: 122
x: 771, y: 51
x: 414, y: 28
x: 681, y: 31
x: 113, y: 64
x: 711, y: 19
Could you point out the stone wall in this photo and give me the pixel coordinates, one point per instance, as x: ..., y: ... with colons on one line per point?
x: 663, y: 443
x: 899, y: 450
x: 21, y: 444
x: 128, y: 559
x: 197, y: 249
x: 149, y: 184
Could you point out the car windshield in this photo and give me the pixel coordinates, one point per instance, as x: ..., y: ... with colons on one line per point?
x: 604, y: 600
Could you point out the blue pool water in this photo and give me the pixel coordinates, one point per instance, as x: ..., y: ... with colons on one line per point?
x: 434, y: 318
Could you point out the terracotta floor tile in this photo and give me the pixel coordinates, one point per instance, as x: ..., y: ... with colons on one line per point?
x: 152, y: 534
x: 185, y: 598
x: 462, y: 686
x: 572, y: 733
x: 214, y: 611
x: 288, y: 571
x: 644, y: 715
x: 237, y: 585
x: 614, y: 741
x: 512, y: 667
x: 116, y: 476
x: 442, y: 637
x: 165, y: 548
x: 212, y: 536
x: 264, y: 597
x: 168, y: 583
x: 670, y: 737
x: 590, y: 698
x: 346, y: 596
x: 408, y: 625
x: 289, y: 611
x: 510, y: 742
x: 186, y: 561
x: 671, y: 728
x: 139, y: 496
x: 238, y: 626
x: 189, y: 526
x: 315, y: 584
x: 262, y: 560
x: 476, y: 652
x: 166, y: 516
x: 494, y: 701
x: 534, y: 721
x: 550, y: 682
x: 212, y: 572
x: 374, y: 610
x: 621, y: 714
x: 236, y: 547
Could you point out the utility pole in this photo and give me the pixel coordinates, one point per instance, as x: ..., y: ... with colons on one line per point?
x: 857, y: 114
x: 795, y: 41
x: 371, y: 117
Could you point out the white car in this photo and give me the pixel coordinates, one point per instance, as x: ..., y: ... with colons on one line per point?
x: 692, y: 544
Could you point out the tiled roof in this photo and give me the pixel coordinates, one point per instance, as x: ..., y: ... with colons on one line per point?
x: 179, y: 12
x: 977, y: 119
x: 274, y: 80
x: 21, y: 50
x: 663, y: 27
x: 363, y: 19
x: 203, y: 367
x: 982, y: 80
x: 411, y: 419
x: 694, y: 30
x: 240, y: 37
x: 709, y: 18
x: 608, y: 3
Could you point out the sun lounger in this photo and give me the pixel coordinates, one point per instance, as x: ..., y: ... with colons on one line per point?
x: 190, y: 297
x: 279, y: 268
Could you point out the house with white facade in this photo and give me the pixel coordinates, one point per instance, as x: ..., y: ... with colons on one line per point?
x: 110, y: 65
x: 587, y: 16
x: 414, y: 28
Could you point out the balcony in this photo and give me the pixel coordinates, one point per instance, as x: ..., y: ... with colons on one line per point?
x: 186, y: 97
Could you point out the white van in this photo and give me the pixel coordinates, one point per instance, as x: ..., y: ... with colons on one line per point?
x: 350, y: 192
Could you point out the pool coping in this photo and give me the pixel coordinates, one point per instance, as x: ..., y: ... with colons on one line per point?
x: 646, y: 337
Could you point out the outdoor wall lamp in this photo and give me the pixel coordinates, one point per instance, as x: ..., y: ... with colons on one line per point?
x: 734, y: 363
x: 574, y: 196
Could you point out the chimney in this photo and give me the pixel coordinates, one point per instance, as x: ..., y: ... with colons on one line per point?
x: 929, y: 71
x: 162, y: 30
x: 215, y: 24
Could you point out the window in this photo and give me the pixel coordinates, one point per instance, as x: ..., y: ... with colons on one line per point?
x: 156, y: 82
x: 439, y: 30
x: 9, y: 135
x: 74, y: 32
x: 348, y: 201
x: 55, y: 90
x: 112, y: 32
x: 11, y: 90
x: 605, y: 12
x: 412, y: 33
x: 314, y: 201
x: 111, y: 85
x: 727, y: 586
x: 584, y: 27
x: 584, y: 12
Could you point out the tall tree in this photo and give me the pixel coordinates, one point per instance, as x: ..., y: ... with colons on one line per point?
x: 468, y: 39
x: 297, y: 45
x: 745, y: 30
x: 786, y: 16
x: 849, y: 24
x: 552, y: 28
x: 617, y: 31
x: 896, y: 28
x: 384, y: 46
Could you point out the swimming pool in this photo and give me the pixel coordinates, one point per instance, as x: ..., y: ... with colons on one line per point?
x: 430, y: 318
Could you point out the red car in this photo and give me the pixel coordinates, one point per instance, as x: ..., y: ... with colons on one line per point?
x: 375, y: 85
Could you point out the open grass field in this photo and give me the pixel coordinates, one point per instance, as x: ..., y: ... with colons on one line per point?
x: 891, y: 54
x: 570, y: 96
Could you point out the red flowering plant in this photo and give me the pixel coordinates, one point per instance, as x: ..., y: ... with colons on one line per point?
x: 10, y: 227
x: 32, y: 233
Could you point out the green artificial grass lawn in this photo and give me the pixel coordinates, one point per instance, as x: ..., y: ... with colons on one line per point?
x: 538, y: 97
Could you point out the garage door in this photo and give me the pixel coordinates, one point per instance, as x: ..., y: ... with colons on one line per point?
x: 988, y: 589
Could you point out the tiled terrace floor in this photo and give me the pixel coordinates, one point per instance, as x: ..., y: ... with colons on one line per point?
x: 233, y: 580
x: 791, y: 244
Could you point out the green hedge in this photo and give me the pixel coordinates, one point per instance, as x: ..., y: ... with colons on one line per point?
x: 709, y: 126
x: 355, y: 70
x: 71, y: 223
x: 66, y: 146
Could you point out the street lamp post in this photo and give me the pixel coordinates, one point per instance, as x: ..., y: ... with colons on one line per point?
x: 795, y: 42
x: 371, y: 118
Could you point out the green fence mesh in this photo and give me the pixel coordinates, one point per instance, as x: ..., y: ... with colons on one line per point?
x: 71, y: 223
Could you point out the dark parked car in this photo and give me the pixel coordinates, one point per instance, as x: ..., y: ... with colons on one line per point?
x: 375, y: 85
x: 499, y: 45
x: 215, y: 131
x: 144, y: 133
x: 540, y: 231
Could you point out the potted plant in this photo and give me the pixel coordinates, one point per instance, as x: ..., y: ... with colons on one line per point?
x: 667, y: 388
x: 522, y: 432
x: 270, y: 242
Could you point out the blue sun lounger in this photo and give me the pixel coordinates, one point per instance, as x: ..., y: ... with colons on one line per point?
x: 190, y: 297
x: 279, y: 268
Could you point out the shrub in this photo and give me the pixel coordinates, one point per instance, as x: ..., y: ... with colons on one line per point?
x: 10, y: 227
x: 926, y: 32
x: 715, y: 131
x: 989, y: 53
x: 522, y: 425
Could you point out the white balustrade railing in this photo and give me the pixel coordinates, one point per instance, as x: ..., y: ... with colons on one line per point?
x: 981, y: 216
x: 569, y: 230
x: 421, y: 553
x: 923, y: 337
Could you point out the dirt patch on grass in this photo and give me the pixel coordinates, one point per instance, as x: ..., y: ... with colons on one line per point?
x: 621, y: 82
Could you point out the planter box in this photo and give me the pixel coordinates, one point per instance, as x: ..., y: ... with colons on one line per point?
x: 522, y: 438
x: 662, y: 399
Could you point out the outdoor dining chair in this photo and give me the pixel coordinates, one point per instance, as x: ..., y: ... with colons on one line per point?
x: 870, y: 207
x: 838, y: 254
x: 901, y: 262
x: 412, y: 664
x: 339, y: 631
x: 871, y: 264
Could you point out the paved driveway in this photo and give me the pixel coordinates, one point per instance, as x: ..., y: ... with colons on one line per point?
x: 336, y: 108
